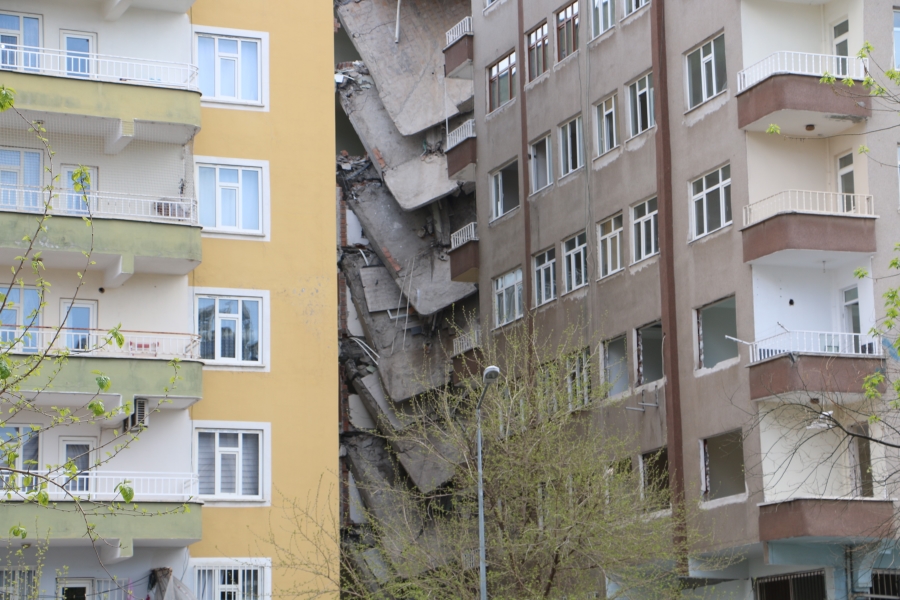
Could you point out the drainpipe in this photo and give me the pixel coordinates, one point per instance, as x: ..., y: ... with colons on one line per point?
x: 524, y: 168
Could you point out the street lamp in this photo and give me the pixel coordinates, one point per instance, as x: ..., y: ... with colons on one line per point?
x: 491, y: 374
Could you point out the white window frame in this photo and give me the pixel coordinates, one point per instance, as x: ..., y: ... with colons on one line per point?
x: 702, y: 196
x: 496, y: 180
x: 203, y: 564
x: 636, y: 124
x: 607, y: 126
x: 262, y: 235
x: 25, y: 580
x: 569, y: 259
x: 265, y: 460
x: 545, y: 273
x: 570, y: 161
x: 93, y: 337
x: 611, y: 262
x: 896, y: 16
x: 578, y: 379
x: 91, y: 73
x: 706, y: 94
x: 548, y: 158
x: 32, y: 197
x: 648, y: 224
x: 236, y: 103
x: 632, y: 6
x: 239, y: 462
x: 264, y: 327
x: 499, y: 295
x: 24, y: 432
x: 602, y: 10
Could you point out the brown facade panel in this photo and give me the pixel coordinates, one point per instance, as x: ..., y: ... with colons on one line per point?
x: 461, y: 160
x: 458, y: 57
x: 805, y: 373
x: 797, y: 92
x: 796, y: 231
x: 464, y: 262
x: 825, y: 518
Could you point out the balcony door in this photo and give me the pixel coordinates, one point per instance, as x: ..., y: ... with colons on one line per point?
x: 75, y: 198
x: 846, y: 184
x: 79, y: 451
x: 76, y: 589
x: 79, y: 318
x: 78, y: 48
x: 841, y: 35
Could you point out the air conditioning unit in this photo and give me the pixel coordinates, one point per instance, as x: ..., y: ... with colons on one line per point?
x: 138, y: 417
x: 823, y: 421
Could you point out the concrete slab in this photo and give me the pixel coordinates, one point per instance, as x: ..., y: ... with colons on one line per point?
x: 381, y: 289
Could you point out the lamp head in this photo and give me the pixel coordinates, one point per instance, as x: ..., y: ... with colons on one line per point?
x: 491, y: 375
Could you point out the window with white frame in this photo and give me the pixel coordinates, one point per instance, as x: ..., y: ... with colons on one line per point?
x: 238, y: 579
x: 712, y: 201
x: 20, y: 179
x: 578, y: 379
x: 610, y: 235
x: 231, y: 198
x: 603, y: 16
x: 18, y: 584
x: 502, y: 78
x: 607, y: 134
x: 567, y: 22
x: 841, y: 39
x: 541, y: 165
x: 508, y: 300
x: 570, y: 147
x: 706, y: 71
x: 640, y: 97
x: 545, y: 277
x: 846, y: 183
x: 21, y: 312
x: 615, y: 365
x: 505, y: 189
x: 19, y: 33
x: 78, y: 46
x: 229, y: 329
x: 633, y: 5
x: 229, y: 464
x: 79, y: 324
x: 897, y: 39
x: 20, y: 444
x: 230, y: 68
x: 646, y: 232
x: 575, y: 261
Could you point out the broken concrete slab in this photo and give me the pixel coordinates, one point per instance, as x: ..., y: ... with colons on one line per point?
x: 359, y: 415
x: 421, y: 181
x: 381, y: 290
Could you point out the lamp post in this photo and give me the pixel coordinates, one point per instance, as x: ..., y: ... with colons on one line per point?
x: 491, y: 374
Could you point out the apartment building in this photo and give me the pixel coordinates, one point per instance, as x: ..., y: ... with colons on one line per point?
x: 629, y: 180
x: 211, y: 246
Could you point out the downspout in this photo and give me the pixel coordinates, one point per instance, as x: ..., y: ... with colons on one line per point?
x: 525, y: 179
x: 674, y: 433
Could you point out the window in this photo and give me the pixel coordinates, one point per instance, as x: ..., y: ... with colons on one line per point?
x: 545, y: 277
x: 846, y: 183
x: 20, y: 179
x: 841, y: 33
x: 646, y: 231
x: 567, y: 31
x: 575, y: 266
x: 505, y: 189
x: 723, y: 466
x: 79, y: 319
x: 570, y: 151
x: 230, y: 68
x: 633, y: 5
x: 794, y: 586
x: 229, y: 329
x: 607, y: 135
x: 78, y: 47
x: 22, y: 443
x: 77, y: 451
x: 18, y: 31
x: 851, y: 312
x: 706, y: 71
x: 81, y: 185
x: 240, y: 580
x: 541, y: 165
x: 508, y: 304
x: 502, y: 81
x: 896, y: 39
x: 861, y: 461
x: 610, y: 234
x: 231, y: 198
x: 716, y: 327
x: 603, y: 16
x: 655, y: 478
x: 18, y: 584
x: 578, y: 379
x: 640, y: 95
x: 649, y: 354
x: 229, y: 463
x: 615, y: 366
x: 20, y: 314
x: 538, y: 50
x: 712, y: 201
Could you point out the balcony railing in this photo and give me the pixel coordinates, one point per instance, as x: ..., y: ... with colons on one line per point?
x: 92, y: 342
x: 103, y: 205
x: 816, y: 342
x: 816, y: 203
x: 466, y: 341
x: 460, y: 29
x: 101, y: 485
x: 802, y: 63
x: 460, y: 134
x: 98, y: 67
x: 466, y: 234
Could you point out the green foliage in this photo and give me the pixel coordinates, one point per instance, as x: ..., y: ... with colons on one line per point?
x: 7, y: 98
x: 773, y: 129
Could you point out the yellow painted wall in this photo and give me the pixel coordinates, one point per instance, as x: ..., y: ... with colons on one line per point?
x: 299, y: 395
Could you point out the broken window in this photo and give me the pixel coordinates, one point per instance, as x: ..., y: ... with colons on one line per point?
x: 505, y: 189
x: 809, y: 585
x: 723, y: 465
x: 502, y: 81
x: 575, y: 265
x: 633, y: 5
x: 861, y: 461
x: 567, y: 22
x: 649, y: 354
x: 545, y: 277
x: 655, y: 478
x: 640, y: 95
x: 712, y: 201
x: 610, y: 234
x: 538, y: 45
x: 716, y: 323
x: 570, y: 147
x: 615, y: 366
x: 541, y: 165
x: 578, y: 380
x: 508, y: 304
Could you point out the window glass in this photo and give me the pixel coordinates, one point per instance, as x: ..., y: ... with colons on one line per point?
x: 607, y: 137
x: 567, y: 22
x: 706, y: 71
x: 575, y: 265
x: 712, y: 201
x: 508, y: 301
x: 229, y: 68
x: 502, y: 86
x: 230, y: 198
x: 545, y: 276
x: 610, y: 235
x: 603, y: 16
x: 228, y: 463
x: 641, y: 104
x: 538, y: 45
x: 646, y: 233
x: 615, y: 363
x: 235, y: 323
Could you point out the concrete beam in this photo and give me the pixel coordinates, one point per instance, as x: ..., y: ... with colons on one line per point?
x: 116, y: 550
x: 120, y: 272
x: 113, y: 9
x: 122, y: 136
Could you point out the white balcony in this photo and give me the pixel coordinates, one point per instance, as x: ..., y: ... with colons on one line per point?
x: 802, y: 63
x: 816, y: 203
x: 98, y: 67
x: 467, y: 234
x: 462, y: 28
x: 460, y: 134
x: 92, y: 343
x: 466, y: 341
x: 816, y: 342
x: 103, y: 486
x: 102, y: 205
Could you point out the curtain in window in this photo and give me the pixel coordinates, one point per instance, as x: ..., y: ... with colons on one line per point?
x: 206, y: 583
x: 250, y: 464
x: 206, y: 463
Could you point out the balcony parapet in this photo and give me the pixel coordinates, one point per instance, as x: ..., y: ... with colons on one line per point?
x: 459, y: 51
x: 90, y: 343
x: 802, y: 63
x: 101, y: 486
x: 813, y: 203
x: 467, y: 233
x: 826, y: 518
x: 464, y: 259
x: 462, y: 28
x: 862, y: 345
x: 466, y: 342
x: 461, y: 134
x: 462, y: 152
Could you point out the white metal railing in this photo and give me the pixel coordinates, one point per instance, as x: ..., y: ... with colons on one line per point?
x: 802, y: 63
x: 102, y: 485
x: 91, y: 342
x: 802, y: 201
x: 99, y: 67
x: 111, y: 589
x: 816, y: 342
x: 462, y: 28
x: 460, y: 134
x: 104, y: 205
x: 466, y: 234
x: 466, y: 341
